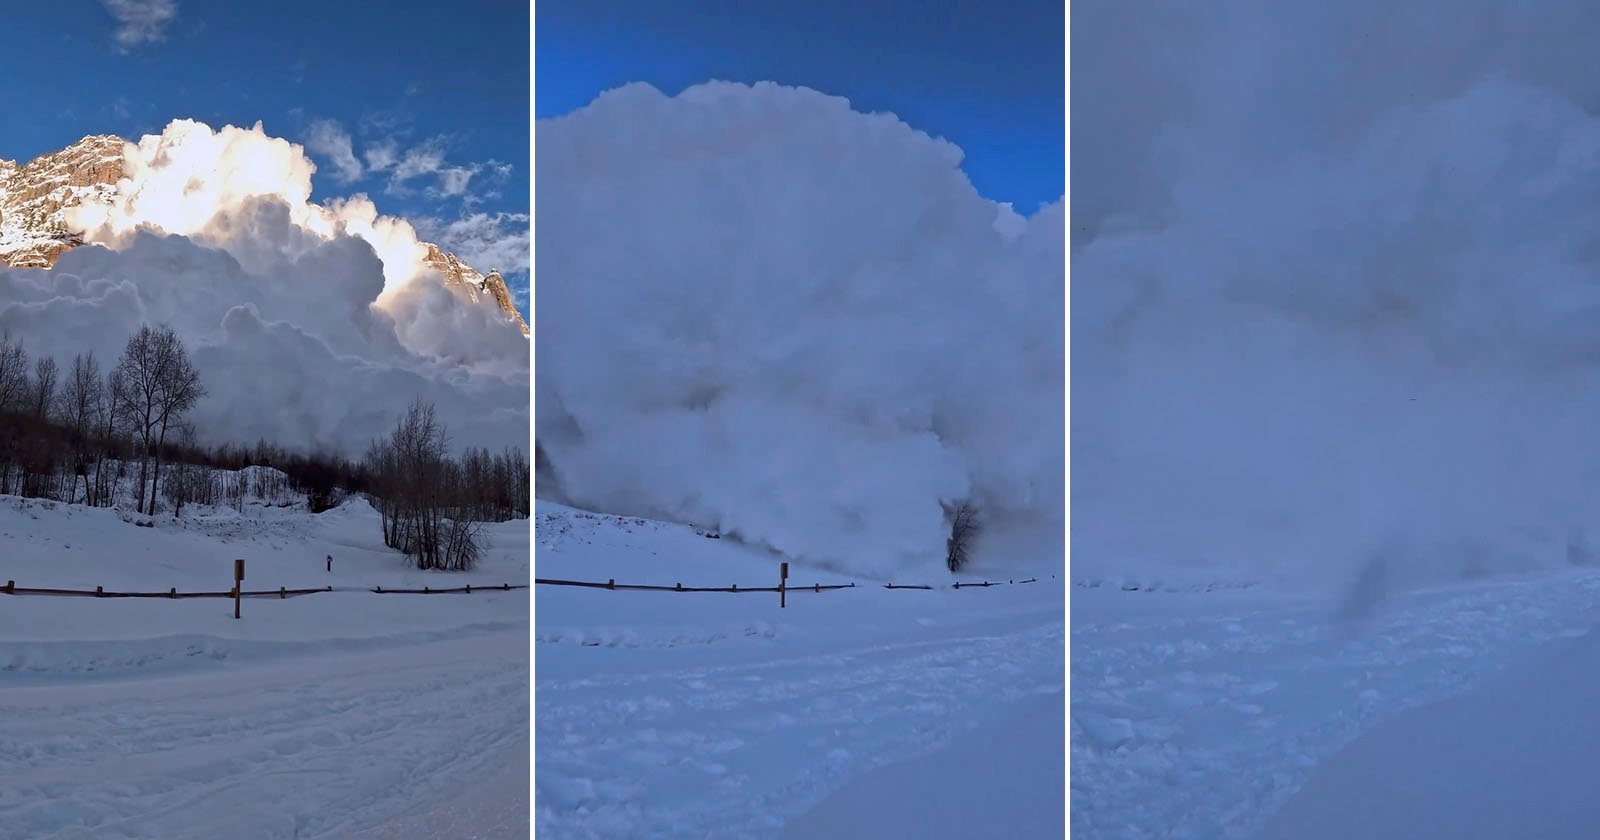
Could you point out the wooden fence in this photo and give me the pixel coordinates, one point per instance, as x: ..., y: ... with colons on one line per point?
x: 11, y: 588
x: 816, y: 587
x: 612, y: 584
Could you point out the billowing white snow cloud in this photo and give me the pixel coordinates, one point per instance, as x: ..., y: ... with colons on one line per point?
x: 760, y: 310
x: 312, y: 325
x: 1340, y: 318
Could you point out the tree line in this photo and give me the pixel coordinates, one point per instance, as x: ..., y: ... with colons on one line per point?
x: 76, y: 435
x: 70, y: 437
x: 431, y: 504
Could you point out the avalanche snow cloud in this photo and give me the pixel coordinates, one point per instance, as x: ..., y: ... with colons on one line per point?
x: 313, y: 325
x: 1335, y: 310
x: 762, y: 311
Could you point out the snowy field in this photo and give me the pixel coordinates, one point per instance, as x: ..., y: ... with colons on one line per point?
x: 1200, y: 714
x: 346, y: 714
x: 852, y: 713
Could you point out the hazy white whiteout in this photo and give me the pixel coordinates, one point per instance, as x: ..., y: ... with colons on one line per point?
x: 1333, y: 306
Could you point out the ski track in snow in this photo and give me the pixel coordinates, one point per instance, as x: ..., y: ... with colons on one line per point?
x: 734, y: 750
x: 1200, y: 722
x: 312, y: 748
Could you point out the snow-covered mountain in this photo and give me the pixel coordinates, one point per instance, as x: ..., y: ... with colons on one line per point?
x: 34, y: 229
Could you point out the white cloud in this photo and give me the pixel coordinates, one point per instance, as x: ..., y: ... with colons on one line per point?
x: 328, y: 139
x: 486, y: 241
x: 141, y: 21
x: 424, y: 159
x: 761, y: 310
x: 427, y: 161
x: 382, y: 156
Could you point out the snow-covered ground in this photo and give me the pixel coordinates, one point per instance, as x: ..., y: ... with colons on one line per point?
x: 1199, y: 714
x: 331, y: 715
x: 663, y: 714
x: 1513, y: 758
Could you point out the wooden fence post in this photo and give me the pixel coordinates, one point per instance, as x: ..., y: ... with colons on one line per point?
x: 173, y: 592
x: 611, y: 583
x: 99, y: 591
x: 783, y: 585
x: 282, y: 593
x: 11, y: 587
x: 238, y: 580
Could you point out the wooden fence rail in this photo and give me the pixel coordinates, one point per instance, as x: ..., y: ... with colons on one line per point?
x: 468, y: 589
x: 612, y: 584
x: 11, y: 588
x: 643, y: 587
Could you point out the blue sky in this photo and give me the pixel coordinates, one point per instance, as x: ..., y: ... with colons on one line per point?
x: 448, y: 87
x: 986, y: 76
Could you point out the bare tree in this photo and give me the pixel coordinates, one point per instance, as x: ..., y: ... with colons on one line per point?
x: 186, y: 484
x: 965, y: 524
x: 158, y: 386
x: 44, y: 387
x: 422, y: 495
x: 138, y: 395
x: 180, y: 390
x: 13, y: 390
x: 78, y: 406
x: 13, y: 372
x: 109, y: 421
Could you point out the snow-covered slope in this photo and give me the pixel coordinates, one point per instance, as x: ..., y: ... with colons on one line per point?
x: 310, y: 717
x: 1198, y: 714
x: 665, y: 714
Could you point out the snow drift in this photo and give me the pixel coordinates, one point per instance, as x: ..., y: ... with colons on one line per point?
x: 1333, y: 293
x: 762, y: 311
x: 312, y: 325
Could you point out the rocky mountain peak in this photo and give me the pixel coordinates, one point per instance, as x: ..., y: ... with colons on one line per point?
x: 35, y: 195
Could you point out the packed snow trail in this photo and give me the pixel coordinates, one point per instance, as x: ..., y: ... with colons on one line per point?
x: 709, y: 750
x: 714, y: 714
x: 1198, y: 714
x: 311, y: 747
x: 1513, y: 757
x: 1011, y: 783
x: 312, y: 717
